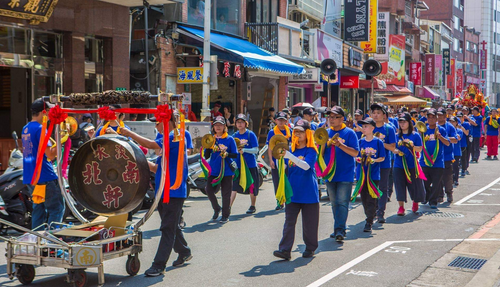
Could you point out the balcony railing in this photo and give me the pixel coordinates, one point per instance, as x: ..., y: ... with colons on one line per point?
x: 264, y: 35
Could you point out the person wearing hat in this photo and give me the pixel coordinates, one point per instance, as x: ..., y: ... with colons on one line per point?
x: 51, y: 206
x: 339, y: 187
x: 296, y: 115
x: 414, y: 116
x: 371, y: 154
x: 250, y: 149
x: 464, y: 126
x: 283, y: 129
x: 450, y: 111
x: 215, y: 112
x: 449, y: 157
x: 406, y: 174
x: 308, y: 115
x: 358, y: 116
x: 423, y: 115
x: 393, y: 118
x: 457, y: 149
x: 115, y: 126
x: 387, y: 134
x: 222, y: 168
x: 491, y: 123
x: 476, y: 121
x: 305, y: 198
x: 170, y: 213
x: 271, y: 123
x: 432, y: 158
x: 467, y: 118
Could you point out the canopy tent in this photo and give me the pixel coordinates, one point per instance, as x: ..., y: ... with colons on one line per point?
x: 407, y: 101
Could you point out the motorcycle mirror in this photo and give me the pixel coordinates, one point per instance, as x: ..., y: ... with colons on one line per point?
x: 14, y: 136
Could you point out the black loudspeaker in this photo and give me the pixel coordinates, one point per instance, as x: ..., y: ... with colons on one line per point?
x: 328, y: 66
x: 372, y: 68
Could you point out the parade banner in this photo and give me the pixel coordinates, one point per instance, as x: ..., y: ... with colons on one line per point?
x: 430, y: 60
x: 416, y: 73
x: 356, y: 20
x: 371, y: 45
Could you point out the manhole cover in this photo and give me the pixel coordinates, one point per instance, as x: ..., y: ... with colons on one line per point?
x: 440, y: 214
x: 468, y: 263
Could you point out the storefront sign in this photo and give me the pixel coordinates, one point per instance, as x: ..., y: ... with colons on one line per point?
x: 482, y: 84
x: 371, y: 45
x: 430, y: 62
x: 310, y: 76
x: 328, y: 47
x: 356, y: 24
x: 472, y: 80
x: 333, y: 17
x: 237, y: 71
x: 483, y: 58
x: 438, y: 69
x: 192, y: 75
x: 416, y: 73
x: 460, y: 81
x: 35, y: 10
x: 349, y: 82
x: 318, y: 87
x: 382, y: 36
x: 355, y: 57
x: 227, y: 67
x: 450, y: 81
x: 446, y: 61
x: 186, y: 98
x: 393, y: 72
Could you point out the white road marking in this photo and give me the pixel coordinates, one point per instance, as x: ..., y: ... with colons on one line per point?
x: 460, y: 202
x: 398, y: 249
x: 363, y: 273
x: 475, y: 201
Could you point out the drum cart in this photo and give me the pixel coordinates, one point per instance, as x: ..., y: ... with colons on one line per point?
x: 42, y: 248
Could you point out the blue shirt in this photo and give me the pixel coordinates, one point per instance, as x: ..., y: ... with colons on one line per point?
x: 451, y: 132
x: 490, y: 130
x: 423, y: 119
x: 98, y: 132
x: 465, y: 138
x: 389, y: 137
x: 379, y: 151
x: 271, y: 134
x: 304, y: 182
x: 457, y: 148
x: 476, y: 130
x: 431, y: 144
x: 344, y: 171
x: 181, y: 192
x: 358, y: 134
x: 31, y: 140
x: 314, y: 126
x: 250, y: 158
x: 216, y: 159
x: 394, y: 122
x: 417, y: 141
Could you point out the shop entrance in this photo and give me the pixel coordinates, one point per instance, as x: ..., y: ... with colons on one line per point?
x: 15, y: 97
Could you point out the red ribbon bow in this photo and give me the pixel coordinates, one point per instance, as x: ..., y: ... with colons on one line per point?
x: 57, y: 115
x: 106, y: 114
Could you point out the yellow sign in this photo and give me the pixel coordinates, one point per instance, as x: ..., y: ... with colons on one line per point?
x: 192, y: 75
x: 86, y: 256
x: 35, y: 10
x: 371, y: 46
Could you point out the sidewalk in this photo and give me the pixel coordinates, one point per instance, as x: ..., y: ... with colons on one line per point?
x: 484, y: 244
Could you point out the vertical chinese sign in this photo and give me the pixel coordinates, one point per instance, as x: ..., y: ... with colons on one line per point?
x: 460, y: 81
x: 416, y: 73
x: 356, y: 24
x: 370, y: 46
x: 430, y: 62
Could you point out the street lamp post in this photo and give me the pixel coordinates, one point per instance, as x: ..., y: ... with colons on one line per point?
x: 205, y: 110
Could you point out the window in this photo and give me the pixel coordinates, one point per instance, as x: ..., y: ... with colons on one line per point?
x: 468, y: 47
x: 94, y: 50
x: 225, y: 15
x: 456, y: 3
x: 15, y: 41
x: 47, y: 45
x: 455, y: 44
x: 456, y: 23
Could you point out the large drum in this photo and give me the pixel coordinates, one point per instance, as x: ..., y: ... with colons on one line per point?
x: 109, y: 175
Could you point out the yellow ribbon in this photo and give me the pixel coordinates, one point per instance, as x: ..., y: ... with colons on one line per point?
x: 277, y: 131
x: 105, y: 127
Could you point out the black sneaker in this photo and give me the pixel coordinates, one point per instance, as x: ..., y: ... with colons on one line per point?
x: 181, y: 260
x: 308, y: 254
x: 449, y: 198
x: 339, y: 237
x: 251, y: 210
x: 224, y: 220
x: 333, y: 235
x: 463, y: 174
x: 381, y: 220
x: 279, y: 207
x: 488, y: 158
x: 216, y: 214
x: 283, y: 254
x: 154, y: 271
x: 467, y: 172
x: 368, y: 227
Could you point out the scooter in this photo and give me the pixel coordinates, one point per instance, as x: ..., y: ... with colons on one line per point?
x: 15, y: 196
x: 264, y: 168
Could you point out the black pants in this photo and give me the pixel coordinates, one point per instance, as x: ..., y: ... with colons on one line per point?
x: 171, y: 233
x: 433, y: 184
x: 391, y: 181
x: 276, y: 177
x: 475, y: 149
x: 369, y: 203
x: 465, y: 157
x: 416, y: 188
x: 383, y: 185
x: 447, y: 181
x: 456, y: 168
x: 310, y: 224
x: 226, y: 189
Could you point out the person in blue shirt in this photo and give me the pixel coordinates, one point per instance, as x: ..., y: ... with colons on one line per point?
x: 432, y: 158
x: 414, y: 117
x: 465, y: 127
x: 467, y: 118
x: 409, y: 144
x: 492, y: 125
x: 457, y: 149
x: 393, y: 121
x: 281, y: 128
x: 371, y: 154
x: 387, y: 134
x: 308, y: 115
x: 113, y: 127
x: 221, y: 154
x: 170, y: 213
x: 249, y: 149
x: 305, y: 198
x: 476, y: 121
x: 358, y: 116
x: 340, y: 186
x: 52, y: 209
x: 423, y: 115
x: 451, y: 134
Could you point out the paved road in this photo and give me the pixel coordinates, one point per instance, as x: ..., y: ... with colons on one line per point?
x: 239, y: 253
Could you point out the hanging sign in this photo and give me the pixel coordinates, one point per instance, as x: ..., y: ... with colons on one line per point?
x: 356, y: 20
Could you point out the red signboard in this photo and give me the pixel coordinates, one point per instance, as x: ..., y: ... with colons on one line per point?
x: 430, y: 63
x: 451, y: 78
x: 460, y: 81
x: 349, y: 82
x: 324, y: 101
x: 483, y: 58
x: 416, y: 73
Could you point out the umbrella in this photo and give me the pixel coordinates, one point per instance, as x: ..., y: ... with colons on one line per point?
x: 303, y: 106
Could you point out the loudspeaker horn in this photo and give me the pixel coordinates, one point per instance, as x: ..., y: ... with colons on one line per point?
x: 372, y: 68
x: 328, y: 66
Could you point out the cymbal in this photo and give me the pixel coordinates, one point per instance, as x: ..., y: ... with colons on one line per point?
x: 277, y: 139
x: 207, y: 141
x: 321, y: 136
x: 278, y: 150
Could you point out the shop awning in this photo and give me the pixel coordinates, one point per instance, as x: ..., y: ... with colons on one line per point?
x: 393, y: 89
x: 405, y: 100
x: 430, y: 94
x: 251, y: 55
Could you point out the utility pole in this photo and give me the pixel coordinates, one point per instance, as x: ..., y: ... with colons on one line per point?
x: 205, y: 109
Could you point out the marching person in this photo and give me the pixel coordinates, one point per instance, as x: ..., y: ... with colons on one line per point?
x: 464, y: 142
x: 358, y: 116
x: 281, y: 128
x: 170, y: 213
x: 423, y: 115
x: 305, y: 198
x: 476, y: 121
x: 340, y: 186
x: 387, y: 134
x: 371, y: 154
x: 309, y: 115
x: 49, y: 207
x: 469, y: 119
x: 249, y: 150
x: 492, y: 125
x: 451, y: 134
x: 414, y: 117
x: 222, y: 165
x: 432, y: 158
x: 406, y: 173
x: 457, y: 148
x: 113, y: 127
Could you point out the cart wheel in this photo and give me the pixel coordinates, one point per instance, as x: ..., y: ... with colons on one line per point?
x: 79, y: 277
x: 25, y: 274
x: 133, y: 265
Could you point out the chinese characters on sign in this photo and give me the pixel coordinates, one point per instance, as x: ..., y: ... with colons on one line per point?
x: 371, y: 45
x: 311, y: 76
x: 393, y: 71
x: 356, y: 25
x: 382, y: 36
x: 446, y: 61
x: 460, y: 81
x: 35, y: 10
x: 483, y: 58
x: 430, y: 60
x: 416, y: 73
x: 227, y: 66
x: 237, y: 71
x: 112, y: 195
x: 355, y: 58
x: 192, y: 75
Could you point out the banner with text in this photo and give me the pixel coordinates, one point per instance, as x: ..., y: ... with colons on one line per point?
x: 416, y: 73
x: 430, y: 62
x: 356, y: 18
x: 371, y: 45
